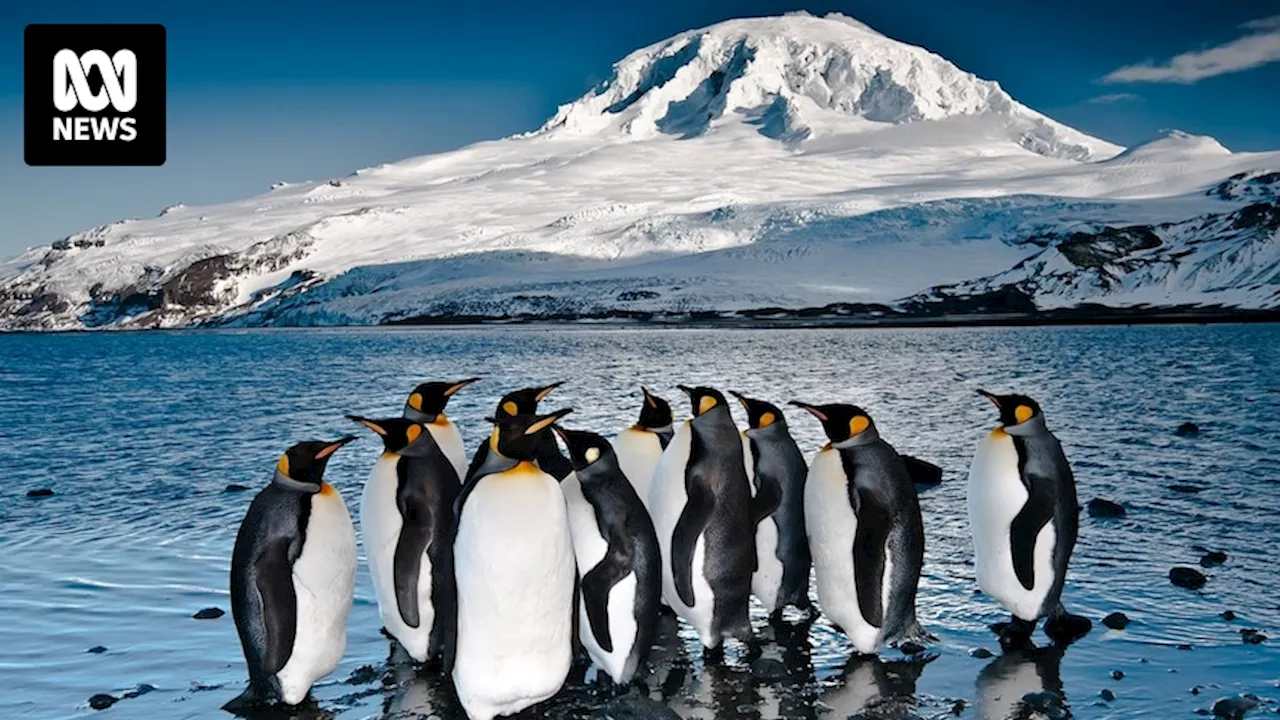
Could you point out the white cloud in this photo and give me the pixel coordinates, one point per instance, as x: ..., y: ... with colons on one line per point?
x: 1112, y: 98
x: 1260, y: 47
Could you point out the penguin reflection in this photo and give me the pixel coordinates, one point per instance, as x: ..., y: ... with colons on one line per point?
x: 877, y: 688
x: 1003, y: 683
x: 783, y: 672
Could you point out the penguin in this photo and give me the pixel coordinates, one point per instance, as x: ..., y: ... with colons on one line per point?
x: 515, y: 571
x: 865, y: 531
x: 701, y: 502
x: 293, y: 573
x: 547, y: 456
x: 639, y: 447
x: 1023, y: 516
x: 619, y: 563
x: 406, y: 518
x: 782, y: 548
x: 426, y: 405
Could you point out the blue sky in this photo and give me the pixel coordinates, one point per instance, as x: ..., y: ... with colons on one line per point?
x: 268, y: 91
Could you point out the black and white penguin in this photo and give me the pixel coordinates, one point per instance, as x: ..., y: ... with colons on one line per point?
x: 777, y: 508
x: 547, y: 455
x: 293, y: 573
x: 406, y: 520
x: 514, y: 567
x: 865, y: 531
x: 426, y: 405
x: 639, y: 447
x: 1023, y: 515
x: 619, y: 563
x: 701, y: 505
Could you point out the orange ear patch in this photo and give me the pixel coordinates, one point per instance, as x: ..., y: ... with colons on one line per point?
x: 767, y: 419
x: 1023, y: 413
x: 415, y: 401
x: 283, y: 465
x: 858, y: 424
x: 510, y: 408
x: 413, y: 432
x: 706, y: 403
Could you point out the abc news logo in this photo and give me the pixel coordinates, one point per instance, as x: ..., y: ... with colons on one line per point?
x: 94, y: 94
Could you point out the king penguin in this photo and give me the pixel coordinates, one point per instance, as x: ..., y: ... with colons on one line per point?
x: 514, y: 566
x: 1023, y: 515
x: 547, y: 455
x: 701, y: 503
x: 639, y: 447
x: 782, y: 548
x: 293, y: 572
x: 406, y: 519
x: 426, y: 405
x: 865, y: 531
x: 618, y: 557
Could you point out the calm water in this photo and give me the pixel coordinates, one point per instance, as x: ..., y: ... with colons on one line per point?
x: 138, y: 435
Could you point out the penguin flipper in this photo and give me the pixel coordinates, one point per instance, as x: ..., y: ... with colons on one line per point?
x: 692, y: 522
x: 874, y: 523
x: 1026, y: 527
x: 596, y: 586
x: 273, y: 583
x: 417, y: 480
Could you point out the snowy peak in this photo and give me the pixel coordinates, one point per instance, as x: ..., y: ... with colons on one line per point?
x: 797, y: 76
x: 1173, y: 146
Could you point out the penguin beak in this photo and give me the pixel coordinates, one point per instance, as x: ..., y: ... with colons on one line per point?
x: 648, y: 397
x: 822, y: 417
x: 564, y: 434
x: 547, y: 420
x: 686, y: 390
x: 459, y: 385
x: 333, y: 446
x: 543, y: 392
x: 741, y: 398
x: 995, y: 399
x: 369, y: 424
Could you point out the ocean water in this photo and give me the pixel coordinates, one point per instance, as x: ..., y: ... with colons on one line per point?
x: 138, y: 436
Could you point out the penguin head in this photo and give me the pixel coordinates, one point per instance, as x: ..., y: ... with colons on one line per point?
x: 585, y: 448
x: 399, y: 435
x: 760, y: 414
x: 1014, y: 409
x: 516, y: 437
x: 704, y: 399
x: 524, y: 401
x: 306, y: 461
x: 840, y: 421
x: 427, y: 401
x: 655, y: 413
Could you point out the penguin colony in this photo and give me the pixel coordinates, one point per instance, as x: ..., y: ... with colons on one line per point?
x: 497, y: 570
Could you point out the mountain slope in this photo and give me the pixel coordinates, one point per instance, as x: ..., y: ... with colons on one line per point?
x: 777, y: 162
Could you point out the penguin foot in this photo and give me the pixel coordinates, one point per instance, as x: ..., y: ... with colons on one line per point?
x: 1015, y: 635
x: 1064, y: 628
x: 713, y: 656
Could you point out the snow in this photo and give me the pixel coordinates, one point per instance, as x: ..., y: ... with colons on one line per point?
x: 790, y: 161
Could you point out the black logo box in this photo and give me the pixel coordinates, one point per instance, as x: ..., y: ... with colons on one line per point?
x: 41, y: 42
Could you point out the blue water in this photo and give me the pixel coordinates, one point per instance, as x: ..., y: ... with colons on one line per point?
x: 138, y: 435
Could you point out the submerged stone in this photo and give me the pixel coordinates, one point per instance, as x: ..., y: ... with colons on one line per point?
x: 1213, y: 557
x: 1182, y: 488
x: 97, y: 649
x: 236, y: 487
x: 1187, y: 429
x: 40, y: 493
x: 1234, y: 708
x: 209, y: 613
x: 1101, y: 508
x: 1116, y: 621
x: 1228, y: 615
x: 981, y: 653
x: 1107, y: 695
x: 1117, y: 674
x: 1252, y: 636
x: 102, y: 701
x: 1186, y: 577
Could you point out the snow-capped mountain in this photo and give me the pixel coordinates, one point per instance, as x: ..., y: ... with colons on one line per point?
x: 783, y: 164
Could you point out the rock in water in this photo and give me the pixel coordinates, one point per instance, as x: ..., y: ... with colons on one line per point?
x: 1186, y: 577
x: 39, y: 493
x: 1047, y: 703
x: 1100, y: 508
x: 1187, y: 429
x: 1234, y: 708
x: 981, y: 653
x: 1116, y: 621
x: 141, y: 690
x: 635, y: 706
x: 1251, y: 636
x: 209, y: 613
x: 1228, y: 615
x: 1213, y: 557
x: 97, y: 650
x: 921, y: 471
x: 1117, y: 674
x: 236, y: 487
x: 1179, y: 487
x: 1107, y: 695
x: 102, y: 701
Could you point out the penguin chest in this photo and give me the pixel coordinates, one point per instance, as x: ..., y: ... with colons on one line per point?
x: 638, y: 454
x: 996, y: 496
x: 324, y: 585
x: 766, y: 582
x: 832, y: 526
x: 515, y: 574
x: 381, y: 524
x: 449, y: 440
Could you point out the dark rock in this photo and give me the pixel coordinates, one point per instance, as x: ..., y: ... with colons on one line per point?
x: 1116, y: 621
x: 1186, y: 577
x: 1252, y: 636
x: 236, y: 487
x: 1187, y: 429
x: 96, y: 650
x: 981, y: 653
x: 1228, y: 615
x: 139, y: 691
x: 1065, y: 629
x: 957, y: 707
x: 1047, y: 703
x: 1185, y: 646
x: 209, y: 613
x: 1179, y: 487
x: 922, y: 472
x: 39, y: 493
x: 1213, y: 557
x: 1234, y: 708
x: 1107, y: 695
x: 102, y: 701
x: 635, y: 705
x: 362, y: 675
x: 1196, y: 690
x: 911, y: 648
x: 1100, y: 508
x: 768, y: 670
x: 1117, y: 674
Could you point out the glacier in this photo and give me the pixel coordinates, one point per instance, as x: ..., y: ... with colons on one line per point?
x: 755, y: 166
